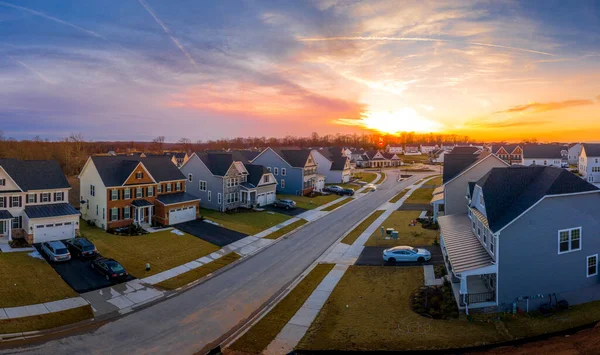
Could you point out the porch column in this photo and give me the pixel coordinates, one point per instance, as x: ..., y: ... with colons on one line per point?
x: 9, y: 227
x: 435, y: 211
x: 150, y: 214
x: 463, y: 288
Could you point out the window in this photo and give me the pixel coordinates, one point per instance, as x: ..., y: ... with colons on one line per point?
x: 16, y: 201
x: 16, y: 222
x: 2, y: 202
x: 275, y: 171
x: 30, y: 199
x: 592, y: 265
x: 45, y: 197
x: 178, y: 186
x: 268, y: 168
x: 150, y: 191
x: 103, y: 214
x: 478, y: 232
x: 481, y: 201
x: 2, y: 182
x: 267, y: 177
x: 209, y: 196
x: 114, y: 195
x: 485, y: 236
x: 533, y: 162
x: 96, y: 210
x: 169, y: 187
x: 159, y: 188
x: 492, y: 244
x: 202, y: 185
x: 473, y: 226
x: 126, y: 212
x: 92, y: 190
x: 139, y: 192
x: 283, y: 171
x: 139, y: 175
x: 569, y: 240
x: 282, y: 182
x: 190, y: 177
x: 59, y: 196
x: 114, y: 214
x: 219, y: 198
x: 126, y: 194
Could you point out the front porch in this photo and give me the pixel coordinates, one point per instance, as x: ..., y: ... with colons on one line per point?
x: 5, y: 226
x: 437, y: 202
x: 142, y: 211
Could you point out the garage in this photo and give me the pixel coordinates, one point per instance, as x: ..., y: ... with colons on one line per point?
x: 182, y: 214
x: 270, y: 197
x: 261, y: 199
x: 53, y: 231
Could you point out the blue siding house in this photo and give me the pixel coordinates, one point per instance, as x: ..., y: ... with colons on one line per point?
x: 294, y: 169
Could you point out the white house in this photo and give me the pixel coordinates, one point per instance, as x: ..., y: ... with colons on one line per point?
x: 395, y: 148
x: 574, y: 152
x: 334, y: 167
x: 428, y: 148
x: 543, y: 154
x: 438, y: 156
x: 412, y: 149
x: 589, y: 162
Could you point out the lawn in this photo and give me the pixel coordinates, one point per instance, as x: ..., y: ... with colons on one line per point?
x: 25, y: 280
x: 248, y: 222
x: 365, y: 176
x: 309, y: 203
x: 45, y: 321
x: 421, y: 196
x: 348, y: 185
x: 163, y: 250
x: 193, y: 275
x: 407, y: 235
x: 356, y: 232
x: 437, y: 181
x: 266, y: 329
x: 422, y: 158
x: 290, y: 227
x: 338, y: 204
x: 399, y: 196
x: 382, y: 179
x: 368, y: 312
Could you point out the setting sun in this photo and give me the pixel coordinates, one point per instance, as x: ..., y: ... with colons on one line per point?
x: 393, y: 122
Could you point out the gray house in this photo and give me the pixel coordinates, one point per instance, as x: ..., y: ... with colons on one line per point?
x: 530, y: 232
x: 294, y: 169
x: 223, y: 182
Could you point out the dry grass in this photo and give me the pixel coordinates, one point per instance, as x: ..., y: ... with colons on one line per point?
x: 366, y: 177
x: 338, y: 204
x: 356, y: 232
x: 399, y: 196
x: 422, y: 195
x: 265, y: 330
x: 309, y: 203
x: 45, y: 321
x: 407, y: 235
x: 25, y: 280
x: 437, y: 181
x: 383, y: 177
x: 198, y: 273
x: 290, y: 227
x: 368, y: 312
x: 250, y: 222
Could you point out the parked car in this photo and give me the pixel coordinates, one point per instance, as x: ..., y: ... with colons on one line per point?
x: 56, y: 251
x: 110, y: 268
x: 406, y: 253
x: 371, y: 187
x: 333, y: 188
x: 348, y: 192
x: 285, y: 204
x: 81, y: 247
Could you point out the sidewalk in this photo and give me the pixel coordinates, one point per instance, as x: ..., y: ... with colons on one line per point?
x: 42, y: 308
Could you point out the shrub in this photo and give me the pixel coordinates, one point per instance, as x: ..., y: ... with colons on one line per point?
x: 91, y: 223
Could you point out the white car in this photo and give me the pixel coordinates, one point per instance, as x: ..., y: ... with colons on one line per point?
x: 406, y: 253
x: 372, y: 187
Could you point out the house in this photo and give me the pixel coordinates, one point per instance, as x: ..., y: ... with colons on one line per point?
x: 178, y: 158
x: 123, y: 190
x: 438, y: 155
x: 428, y: 148
x: 511, y: 153
x: 34, y: 206
x: 259, y: 188
x: 334, y: 166
x: 529, y: 234
x: 447, y: 146
x: 412, y: 149
x: 589, y: 162
x: 379, y: 159
x: 544, y: 154
x: 574, y: 150
x: 294, y: 169
x: 395, y: 148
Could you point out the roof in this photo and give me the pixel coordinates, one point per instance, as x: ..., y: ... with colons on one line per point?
x: 464, y: 249
x: 438, y: 190
x: 245, y: 156
x: 35, y: 174
x: 455, y: 163
x: 339, y: 162
x: 179, y: 197
x: 464, y: 150
x: 471, y: 187
x: 4, y: 214
x: 53, y: 210
x: 141, y: 203
x: 114, y: 170
x: 510, y: 191
x: 295, y: 157
x: 437, y: 198
x: 592, y: 149
x: 508, y: 147
x: 217, y: 163
x: 533, y: 151
x: 247, y: 186
x: 255, y: 173
x: 179, y: 155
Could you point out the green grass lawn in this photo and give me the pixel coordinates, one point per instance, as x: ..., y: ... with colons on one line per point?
x: 248, y: 222
x: 290, y: 227
x: 309, y: 203
x: 437, y: 181
x: 365, y: 176
x: 163, y: 250
x: 368, y: 312
x: 399, y: 196
x: 193, y: 275
x: 348, y: 185
x: 422, y: 158
x: 422, y: 195
x: 25, y: 280
x: 407, y: 235
x: 45, y: 321
x: 338, y: 204
x: 266, y: 329
x: 356, y: 232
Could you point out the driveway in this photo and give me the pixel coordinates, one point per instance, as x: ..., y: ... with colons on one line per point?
x: 292, y: 212
x: 211, y: 233
x: 79, y: 274
x: 372, y: 256
x: 415, y: 207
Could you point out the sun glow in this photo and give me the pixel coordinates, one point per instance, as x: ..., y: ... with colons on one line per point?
x: 403, y: 120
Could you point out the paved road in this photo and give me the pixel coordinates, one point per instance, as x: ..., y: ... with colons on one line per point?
x: 189, y: 322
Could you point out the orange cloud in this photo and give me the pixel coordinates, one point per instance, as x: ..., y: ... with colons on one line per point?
x: 537, y: 107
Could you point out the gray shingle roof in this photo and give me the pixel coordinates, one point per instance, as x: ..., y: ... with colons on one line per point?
x: 536, y: 151
x: 4, y: 214
x: 179, y: 197
x: 53, y: 210
x: 217, y: 163
x: 339, y: 163
x: 245, y: 156
x: 592, y: 149
x: 35, y: 174
x: 464, y: 249
x: 114, y: 170
x: 510, y: 191
x: 141, y: 203
x: 464, y: 150
x: 458, y: 161
x: 508, y: 147
x: 255, y: 173
x: 295, y: 157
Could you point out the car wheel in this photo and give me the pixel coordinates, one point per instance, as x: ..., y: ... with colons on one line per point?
x: 287, y: 207
x: 392, y: 260
x: 420, y: 259
x: 107, y: 278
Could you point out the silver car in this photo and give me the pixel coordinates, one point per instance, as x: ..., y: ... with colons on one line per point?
x: 56, y: 251
x: 406, y: 253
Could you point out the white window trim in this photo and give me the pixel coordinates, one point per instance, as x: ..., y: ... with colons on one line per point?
x: 150, y: 191
x: 275, y: 171
x: 282, y: 183
x: 219, y: 198
x: 283, y: 171
x: 31, y: 198
x: 569, y: 231
x: 190, y: 177
x: 200, y: 183
x: 141, y: 194
x: 587, y: 260
x: 125, y: 196
x: 209, y: 195
x: 112, y: 196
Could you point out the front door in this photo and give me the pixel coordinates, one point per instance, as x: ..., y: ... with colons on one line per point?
x: 2, y: 231
x: 141, y: 214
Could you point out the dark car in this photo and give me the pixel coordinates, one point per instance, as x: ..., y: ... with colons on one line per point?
x: 81, y: 247
x: 110, y: 268
x: 348, y: 192
x: 333, y: 189
x: 285, y: 204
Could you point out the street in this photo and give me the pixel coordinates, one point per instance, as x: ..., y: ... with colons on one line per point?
x: 199, y: 318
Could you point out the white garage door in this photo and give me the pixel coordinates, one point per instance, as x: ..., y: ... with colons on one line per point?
x: 53, y: 231
x: 261, y: 199
x: 180, y: 215
x: 270, y: 198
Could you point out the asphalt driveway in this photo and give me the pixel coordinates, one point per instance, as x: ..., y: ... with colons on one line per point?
x: 211, y: 233
x: 372, y: 256
x: 79, y: 274
x: 291, y: 212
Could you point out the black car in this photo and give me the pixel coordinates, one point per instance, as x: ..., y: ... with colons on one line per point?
x: 110, y: 268
x: 348, y: 192
x: 81, y: 247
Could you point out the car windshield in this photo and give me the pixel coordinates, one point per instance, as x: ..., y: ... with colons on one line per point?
x: 415, y: 250
x: 114, y: 266
x: 61, y: 251
x: 88, y: 247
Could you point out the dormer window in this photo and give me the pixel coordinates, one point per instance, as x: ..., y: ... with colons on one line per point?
x: 139, y: 175
x: 266, y: 178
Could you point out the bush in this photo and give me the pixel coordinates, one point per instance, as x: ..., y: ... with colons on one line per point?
x: 436, y: 302
x: 91, y: 223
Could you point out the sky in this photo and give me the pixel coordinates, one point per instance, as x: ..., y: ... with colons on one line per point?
x: 136, y: 69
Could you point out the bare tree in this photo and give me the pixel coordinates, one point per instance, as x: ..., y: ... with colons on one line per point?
x: 158, y: 144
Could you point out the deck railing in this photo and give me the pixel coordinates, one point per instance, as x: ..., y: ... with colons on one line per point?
x: 481, y: 297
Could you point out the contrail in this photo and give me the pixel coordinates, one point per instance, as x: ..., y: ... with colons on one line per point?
x: 40, y: 75
x: 41, y: 14
x: 420, y: 39
x: 168, y: 32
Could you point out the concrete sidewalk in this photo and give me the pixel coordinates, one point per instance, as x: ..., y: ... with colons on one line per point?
x: 42, y: 308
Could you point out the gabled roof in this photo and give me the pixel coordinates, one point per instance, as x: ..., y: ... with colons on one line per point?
x: 338, y: 163
x: 114, y: 170
x: 455, y: 163
x: 35, y: 174
x: 245, y: 156
x: 464, y: 150
x: 508, y: 147
x: 255, y: 173
x: 217, y: 163
x: 533, y: 151
x: 510, y: 191
x: 295, y: 157
x: 592, y: 149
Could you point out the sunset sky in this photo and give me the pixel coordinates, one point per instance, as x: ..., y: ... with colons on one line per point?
x: 129, y: 69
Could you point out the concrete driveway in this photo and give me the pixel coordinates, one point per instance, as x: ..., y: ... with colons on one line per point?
x: 211, y: 233
x: 372, y: 256
x: 291, y: 212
